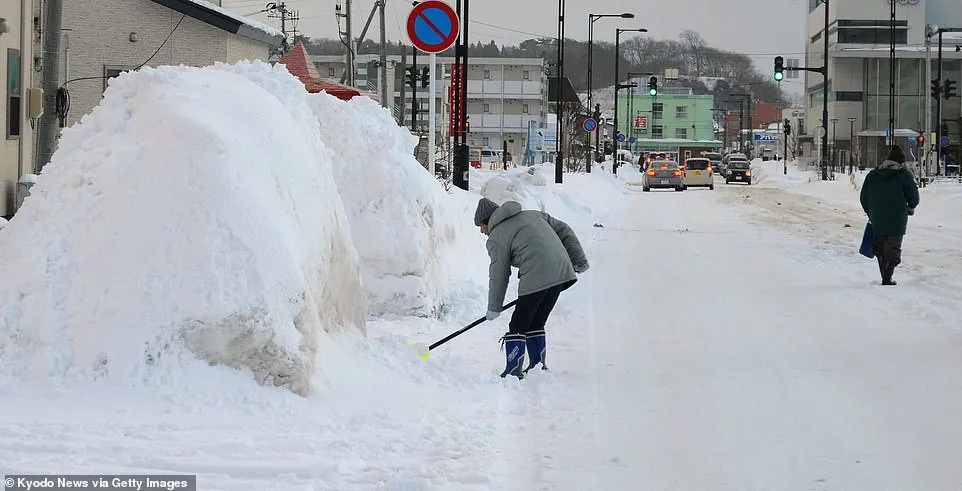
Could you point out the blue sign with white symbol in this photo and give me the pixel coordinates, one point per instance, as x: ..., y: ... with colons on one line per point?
x: 945, y: 141
x: 912, y: 142
x: 632, y: 140
x: 433, y: 26
x: 621, y: 138
x: 764, y: 138
x: 590, y: 124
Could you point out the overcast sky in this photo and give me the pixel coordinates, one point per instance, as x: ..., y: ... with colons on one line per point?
x: 762, y: 28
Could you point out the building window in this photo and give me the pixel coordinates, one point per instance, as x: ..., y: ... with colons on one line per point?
x: 526, y: 75
x: 111, y: 72
x: 877, y: 35
x: 848, y: 96
x: 486, y: 108
x: 330, y: 71
x: 687, y: 154
x: 681, y: 112
x: 485, y: 141
x: 657, y: 110
x: 681, y: 132
x: 524, y: 109
x: 657, y: 132
x: 487, y: 74
x: 14, y: 112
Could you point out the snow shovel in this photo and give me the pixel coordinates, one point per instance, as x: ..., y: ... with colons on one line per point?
x: 424, y: 351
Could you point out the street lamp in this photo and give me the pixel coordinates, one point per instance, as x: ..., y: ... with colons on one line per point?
x: 851, y: 144
x: 741, y: 121
x: 591, y: 37
x: 618, y: 86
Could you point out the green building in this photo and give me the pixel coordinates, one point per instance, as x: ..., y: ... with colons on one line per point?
x: 675, y: 121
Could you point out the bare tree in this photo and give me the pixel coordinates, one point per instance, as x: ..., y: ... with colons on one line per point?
x: 695, y: 46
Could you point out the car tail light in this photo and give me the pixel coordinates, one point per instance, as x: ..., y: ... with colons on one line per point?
x: 677, y: 173
x: 748, y: 172
x: 651, y: 172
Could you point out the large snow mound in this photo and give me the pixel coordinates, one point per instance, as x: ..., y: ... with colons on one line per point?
x: 192, y: 214
x: 396, y: 208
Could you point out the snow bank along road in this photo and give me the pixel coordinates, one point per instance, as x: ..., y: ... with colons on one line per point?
x: 729, y: 354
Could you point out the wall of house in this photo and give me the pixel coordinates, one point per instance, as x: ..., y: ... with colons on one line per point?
x: 15, y: 68
x: 135, y: 29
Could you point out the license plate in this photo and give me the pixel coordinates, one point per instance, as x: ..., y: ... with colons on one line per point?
x: 738, y: 177
x: 664, y: 181
x: 697, y: 172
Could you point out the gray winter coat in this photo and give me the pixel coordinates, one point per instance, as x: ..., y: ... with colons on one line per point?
x: 543, y: 248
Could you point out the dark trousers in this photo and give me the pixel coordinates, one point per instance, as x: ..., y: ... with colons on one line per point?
x: 532, y: 310
x: 888, y: 251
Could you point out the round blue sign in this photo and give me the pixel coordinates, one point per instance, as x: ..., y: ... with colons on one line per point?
x: 621, y: 138
x: 590, y: 124
x: 945, y: 141
x: 632, y: 140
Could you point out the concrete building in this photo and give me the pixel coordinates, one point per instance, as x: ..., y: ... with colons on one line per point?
x: 675, y: 121
x: 20, y: 99
x: 504, y: 95
x: 859, y: 81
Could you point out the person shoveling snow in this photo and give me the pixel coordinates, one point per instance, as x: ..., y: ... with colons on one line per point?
x: 548, y: 255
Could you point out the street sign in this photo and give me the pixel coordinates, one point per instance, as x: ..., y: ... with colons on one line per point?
x: 632, y: 139
x: 912, y: 142
x: 433, y: 26
x: 590, y: 124
x: 764, y: 138
x: 641, y: 122
x: 945, y: 141
x: 621, y: 137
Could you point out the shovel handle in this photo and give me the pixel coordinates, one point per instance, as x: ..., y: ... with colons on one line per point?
x: 468, y: 327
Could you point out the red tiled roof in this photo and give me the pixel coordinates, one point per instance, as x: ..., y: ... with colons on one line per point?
x: 299, y: 64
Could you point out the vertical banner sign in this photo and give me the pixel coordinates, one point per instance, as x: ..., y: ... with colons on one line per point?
x: 456, y: 125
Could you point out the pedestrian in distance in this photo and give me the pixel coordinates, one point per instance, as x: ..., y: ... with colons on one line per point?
x: 548, y: 256
x: 889, y: 196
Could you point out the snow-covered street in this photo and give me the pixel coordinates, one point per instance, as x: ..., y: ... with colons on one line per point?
x: 189, y: 309
x: 706, y: 349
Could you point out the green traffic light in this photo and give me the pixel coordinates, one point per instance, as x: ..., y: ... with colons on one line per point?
x: 779, y: 76
x: 652, y: 91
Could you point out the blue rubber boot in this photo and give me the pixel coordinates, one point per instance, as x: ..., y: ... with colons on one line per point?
x: 513, y: 346
x: 535, y: 342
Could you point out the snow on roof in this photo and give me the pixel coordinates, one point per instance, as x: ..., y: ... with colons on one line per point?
x: 260, y: 26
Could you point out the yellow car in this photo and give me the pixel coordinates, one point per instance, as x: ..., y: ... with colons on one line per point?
x: 698, y: 173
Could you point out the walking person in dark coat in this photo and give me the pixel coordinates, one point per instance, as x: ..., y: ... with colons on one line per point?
x: 547, y: 254
x: 889, y: 196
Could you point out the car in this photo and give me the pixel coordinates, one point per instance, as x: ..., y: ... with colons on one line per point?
x: 739, y: 170
x: 728, y: 158
x: 653, y: 156
x: 698, y: 173
x: 663, y: 174
x: 716, y: 160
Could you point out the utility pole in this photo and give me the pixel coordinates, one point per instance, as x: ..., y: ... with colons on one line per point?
x: 414, y: 90
x: 432, y: 114
x: 280, y: 11
x: 824, y: 71
x: 382, y: 83
x: 928, y: 99
x: 892, y: 75
x: 47, y: 138
x: 402, y: 66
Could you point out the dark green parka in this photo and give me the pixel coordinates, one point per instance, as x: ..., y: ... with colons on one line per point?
x: 889, y: 195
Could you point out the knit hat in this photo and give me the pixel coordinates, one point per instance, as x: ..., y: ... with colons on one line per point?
x: 896, y: 155
x: 485, y: 209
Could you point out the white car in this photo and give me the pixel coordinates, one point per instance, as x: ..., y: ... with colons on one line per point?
x: 698, y: 173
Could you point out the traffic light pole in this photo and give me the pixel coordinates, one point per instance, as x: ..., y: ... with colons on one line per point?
x: 940, y: 85
x: 824, y: 71
x: 459, y: 111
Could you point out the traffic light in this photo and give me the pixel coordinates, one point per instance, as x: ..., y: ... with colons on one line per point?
x: 467, y: 124
x: 425, y: 77
x: 653, y: 86
x: 413, y: 77
x: 936, y: 89
x: 950, y: 89
x: 920, y: 140
x: 787, y: 125
x: 779, y: 68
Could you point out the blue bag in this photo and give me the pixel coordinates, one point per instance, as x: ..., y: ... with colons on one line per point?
x: 867, y: 248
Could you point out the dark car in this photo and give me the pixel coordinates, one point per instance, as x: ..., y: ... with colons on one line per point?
x: 739, y: 171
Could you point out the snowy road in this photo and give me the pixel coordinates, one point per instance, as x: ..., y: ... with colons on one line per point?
x: 728, y: 356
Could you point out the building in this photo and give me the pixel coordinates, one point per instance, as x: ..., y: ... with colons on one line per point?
x: 20, y: 99
x: 675, y: 121
x: 859, y: 80
x: 796, y: 121
x: 99, y: 46
x: 504, y: 95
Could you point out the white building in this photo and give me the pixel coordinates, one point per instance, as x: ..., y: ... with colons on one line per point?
x: 504, y: 95
x: 858, y: 80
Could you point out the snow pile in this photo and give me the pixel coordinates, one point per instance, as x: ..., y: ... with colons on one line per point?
x: 515, y: 185
x: 193, y: 208
x: 395, y: 207
x: 772, y: 174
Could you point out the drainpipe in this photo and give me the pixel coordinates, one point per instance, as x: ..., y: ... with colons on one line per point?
x: 26, y: 69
